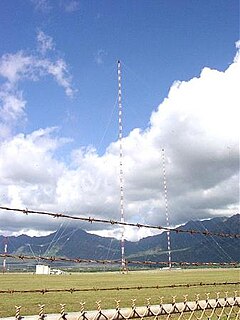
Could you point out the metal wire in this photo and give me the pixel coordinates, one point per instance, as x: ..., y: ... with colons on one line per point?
x: 72, y: 290
x: 115, y: 222
x: 136, y: 262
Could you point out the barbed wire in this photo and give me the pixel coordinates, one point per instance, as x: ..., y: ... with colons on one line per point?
x: 72, y: 290
x: 102, y: 261
x: 116, y: 222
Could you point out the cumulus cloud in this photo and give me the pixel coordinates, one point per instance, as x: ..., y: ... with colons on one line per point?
x: 196, y: 124
x: 29, y: 173
x: 40, y: 147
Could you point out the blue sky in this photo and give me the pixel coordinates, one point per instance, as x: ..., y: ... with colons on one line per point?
x: 58, y: 113
x: 158, y: 42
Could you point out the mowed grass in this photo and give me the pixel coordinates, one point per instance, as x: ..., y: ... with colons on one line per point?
x: 52, y: 301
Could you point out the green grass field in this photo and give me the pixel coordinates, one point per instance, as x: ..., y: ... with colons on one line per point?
x: 30, y: 301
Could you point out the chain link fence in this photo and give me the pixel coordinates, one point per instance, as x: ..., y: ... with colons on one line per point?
x: 211, y: 309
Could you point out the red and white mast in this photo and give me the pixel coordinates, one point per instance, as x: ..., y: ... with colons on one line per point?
x: 166, y: 209
x: 5, y: 243
x: 120, y: 136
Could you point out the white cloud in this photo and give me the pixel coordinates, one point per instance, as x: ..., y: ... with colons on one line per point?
x: 15, y: 67
x: 41, y: 5
x: 13, y: 105
x: 238, y: 44
x: 45, y: 42
x: 71, y: 6
x: 12, y: 109
x: 38, y: 147
x: 29, y: 175
x: 21, y: 66
x: 59, y: 71
x: 99, y: 57
x: 45, y: 6
x: 197, y: 124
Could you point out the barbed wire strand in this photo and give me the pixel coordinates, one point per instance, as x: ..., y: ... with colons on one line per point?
x: 72, y: 290
x: 115, y: 222
x: 80, y: 260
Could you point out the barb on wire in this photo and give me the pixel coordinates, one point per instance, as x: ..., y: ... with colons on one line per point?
x: 72, y: 290
x: 122, y: 223
x: 134, y: 262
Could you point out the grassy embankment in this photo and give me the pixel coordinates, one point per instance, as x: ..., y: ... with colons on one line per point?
x: 30, y: 301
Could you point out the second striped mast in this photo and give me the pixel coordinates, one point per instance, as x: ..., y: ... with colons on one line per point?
x: 166, y: 210
x: 120, y: 136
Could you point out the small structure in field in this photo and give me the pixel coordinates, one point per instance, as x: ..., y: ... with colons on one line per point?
x: 42, y: 269
x: 57, y: 271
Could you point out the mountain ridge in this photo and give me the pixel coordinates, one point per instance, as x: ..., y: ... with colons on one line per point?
x: 72, y: 242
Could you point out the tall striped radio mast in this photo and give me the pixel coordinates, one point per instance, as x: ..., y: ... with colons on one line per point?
x: 166, y: 209
x: 5, y: 243
x: 120, y: 136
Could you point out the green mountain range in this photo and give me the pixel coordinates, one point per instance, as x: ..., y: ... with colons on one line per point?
x: 75, y: 242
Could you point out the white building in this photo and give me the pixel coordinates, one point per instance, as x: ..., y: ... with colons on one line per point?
x: 42, y: 269
x: 57, y: 271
